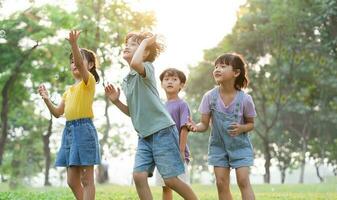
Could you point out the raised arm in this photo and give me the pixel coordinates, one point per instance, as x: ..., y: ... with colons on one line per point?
x: 138, y: 58
x: 78, y: 60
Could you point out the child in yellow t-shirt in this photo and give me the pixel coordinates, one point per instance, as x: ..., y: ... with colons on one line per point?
x: 79, y: 150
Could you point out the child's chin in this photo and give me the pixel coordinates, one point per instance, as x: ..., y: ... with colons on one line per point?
x: 126, y: 57
x: 75, y: 73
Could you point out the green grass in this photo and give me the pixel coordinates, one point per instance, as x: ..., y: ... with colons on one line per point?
x: 114, y: 192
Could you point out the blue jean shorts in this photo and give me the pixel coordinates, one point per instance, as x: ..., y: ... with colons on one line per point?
x: 79, y: 146
x: 160, y: 149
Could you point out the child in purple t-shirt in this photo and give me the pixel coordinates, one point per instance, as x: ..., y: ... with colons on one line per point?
x: 172, y: 81
x: 232, y: 114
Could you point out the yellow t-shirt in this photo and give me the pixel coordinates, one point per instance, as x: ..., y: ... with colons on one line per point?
x: 78, y: 100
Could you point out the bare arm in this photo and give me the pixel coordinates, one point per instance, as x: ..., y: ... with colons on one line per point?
x: 78, y: 60
x: 202, y: 125
x: 138, y: 57
x: 183, y: 140
x: 113, y: 94
x: 55, y: 111
x: 122, y: 107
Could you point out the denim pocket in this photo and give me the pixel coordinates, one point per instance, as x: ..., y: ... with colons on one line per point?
x: 241, y: 140
x: 86, y: 136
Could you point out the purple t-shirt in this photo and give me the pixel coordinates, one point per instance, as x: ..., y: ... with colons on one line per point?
x: 247, y: 109
x: 179, y: 112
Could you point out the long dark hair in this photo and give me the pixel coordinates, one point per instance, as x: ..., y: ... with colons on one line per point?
x: 90, y: 56
x: 238, y: 63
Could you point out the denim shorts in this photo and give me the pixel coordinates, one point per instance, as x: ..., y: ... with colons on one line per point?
x: 79, y: 146
x: 160, y: 149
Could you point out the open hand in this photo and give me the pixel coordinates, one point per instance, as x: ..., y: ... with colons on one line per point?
x: 73, y: 36
x: 112, y: 93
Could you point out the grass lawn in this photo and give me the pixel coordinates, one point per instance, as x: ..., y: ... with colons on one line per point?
x: 204, y: 192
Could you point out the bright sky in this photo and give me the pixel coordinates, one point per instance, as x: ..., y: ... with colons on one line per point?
x: 189, y: 27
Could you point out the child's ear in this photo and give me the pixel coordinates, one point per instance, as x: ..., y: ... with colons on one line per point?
x: 90, y: 65
x: 237, y: 72
x: 182, y: 85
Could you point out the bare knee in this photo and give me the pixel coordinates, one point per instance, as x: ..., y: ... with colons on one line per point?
x: 87, y: 178
x: 72, y: 183
x: 243, y: 183
x: 222, y: 183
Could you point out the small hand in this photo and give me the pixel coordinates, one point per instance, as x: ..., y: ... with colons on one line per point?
x: 150, y: 40
x: 43, y: 92
x: 235, y: 129
x: 112, y: 93
x: 73, y: 36
x: 191, y: 126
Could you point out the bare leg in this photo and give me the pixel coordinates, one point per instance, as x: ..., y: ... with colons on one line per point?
x: 142, y: 186
x: 88, y: 182
x: 74, y: 181
x: 242, y: 177
x: 222, y: 183
x: 181, y: 188
x: 167, y: 193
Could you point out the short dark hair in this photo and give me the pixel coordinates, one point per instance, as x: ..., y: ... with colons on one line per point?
x: 155, y: 49
x: 90, y: 56
x: 237, y: 62
x: 173, y: 72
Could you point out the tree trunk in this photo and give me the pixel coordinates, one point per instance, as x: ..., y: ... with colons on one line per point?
x: 304, y: 149
x: 102, y: 170
x: 4, y: 116
x: 46, y: 151
x: 5, y: 100
x: 15, y: 165
x: 2, y: 178
x: 267, y: 164
x: 283, y: 175
x: 318, y: 173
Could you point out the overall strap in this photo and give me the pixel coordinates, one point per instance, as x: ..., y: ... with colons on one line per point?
x: 238, y: 103
x: 214, y: 98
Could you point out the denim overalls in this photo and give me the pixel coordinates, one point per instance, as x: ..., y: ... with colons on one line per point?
x: 225, y: 150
